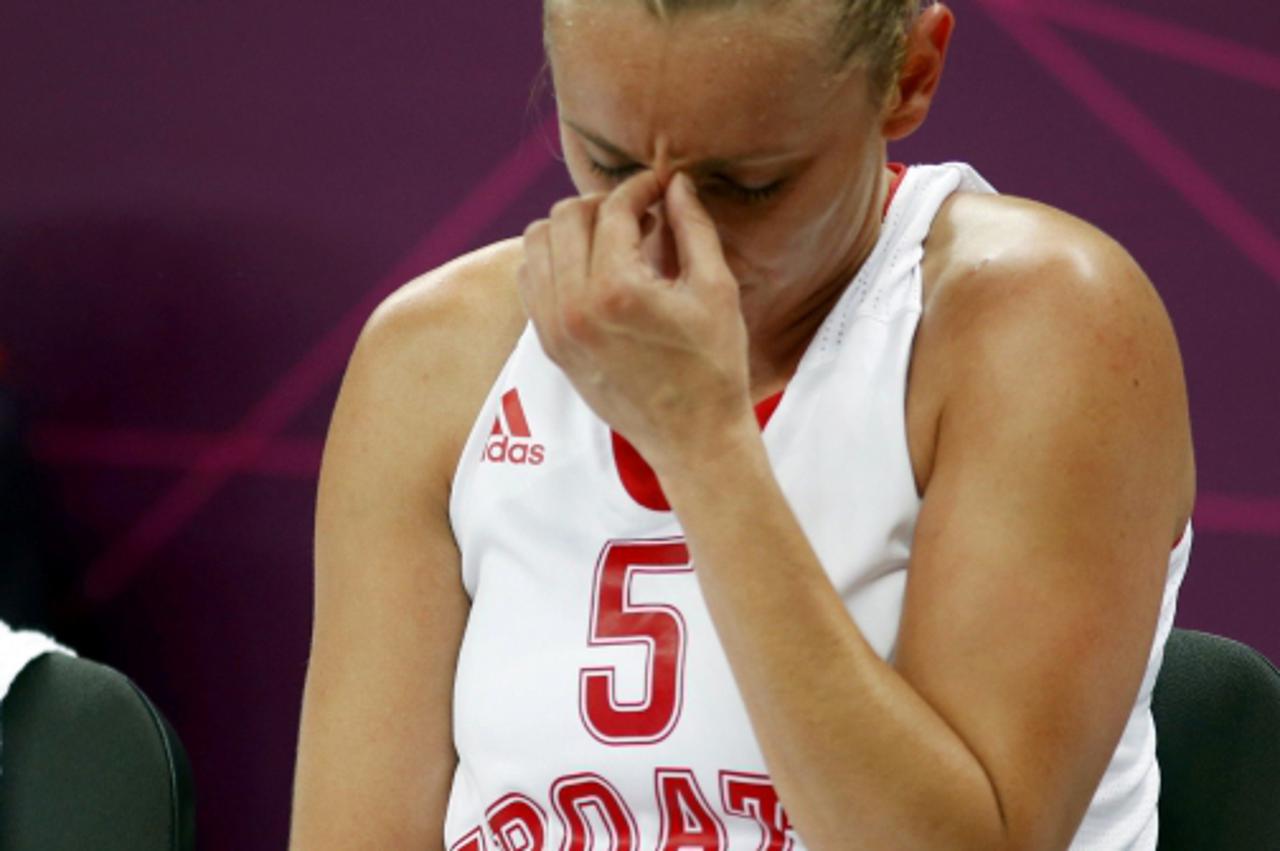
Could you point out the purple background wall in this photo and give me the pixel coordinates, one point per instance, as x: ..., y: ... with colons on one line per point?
x: 200, y: 203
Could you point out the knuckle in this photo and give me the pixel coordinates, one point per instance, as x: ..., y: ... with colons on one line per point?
x: 565, y: 207
x: 620, y: 197
x: 609, y: 204
x: 616, y: 301
x: 535, y: 229
x: 577, y: 323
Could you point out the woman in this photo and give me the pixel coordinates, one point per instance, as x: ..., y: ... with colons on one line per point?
x: 627, y: 535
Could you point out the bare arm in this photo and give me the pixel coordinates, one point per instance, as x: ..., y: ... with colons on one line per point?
x: 1060, y: 478
x: 376, y: 754
x: 1060, y: 474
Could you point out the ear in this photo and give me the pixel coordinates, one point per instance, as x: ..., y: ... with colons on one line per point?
x: 909, y: 100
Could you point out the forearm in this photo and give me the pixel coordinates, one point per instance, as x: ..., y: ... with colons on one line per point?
x: 858, y: 757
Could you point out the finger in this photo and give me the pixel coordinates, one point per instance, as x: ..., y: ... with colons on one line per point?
x: 698, y: 243
x: 618, y: 232
x: 572, y: 232
x: 535, y: 283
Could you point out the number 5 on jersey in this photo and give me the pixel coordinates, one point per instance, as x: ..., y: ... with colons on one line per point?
x: 660, y: 628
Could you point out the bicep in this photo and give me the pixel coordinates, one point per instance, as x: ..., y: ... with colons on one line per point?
x: 375, y: 749
x: 1042, y: 544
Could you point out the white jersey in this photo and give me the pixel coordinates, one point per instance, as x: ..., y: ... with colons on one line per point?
x: 594, y: 706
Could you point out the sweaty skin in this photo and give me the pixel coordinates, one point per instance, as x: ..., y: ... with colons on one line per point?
x: 1046, y: 420
x: 776, y: 113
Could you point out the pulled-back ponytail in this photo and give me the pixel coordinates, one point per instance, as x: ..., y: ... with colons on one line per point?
x: 874, y: 30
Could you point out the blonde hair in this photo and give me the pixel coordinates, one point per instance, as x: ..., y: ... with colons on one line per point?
x: 872, y: 30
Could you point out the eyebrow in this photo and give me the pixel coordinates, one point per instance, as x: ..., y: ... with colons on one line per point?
x: 709, y: 164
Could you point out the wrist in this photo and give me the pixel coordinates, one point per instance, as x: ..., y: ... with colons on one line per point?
x: 713, y: 464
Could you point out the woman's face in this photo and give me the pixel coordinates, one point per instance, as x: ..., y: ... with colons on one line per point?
x: 787, y: 156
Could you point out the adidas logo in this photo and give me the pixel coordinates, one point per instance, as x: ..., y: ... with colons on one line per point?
x: 512, y: 443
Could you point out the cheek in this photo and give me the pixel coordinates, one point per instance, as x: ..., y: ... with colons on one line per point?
x: 576, y: 162
x: 794, y: 238
x: 580, y: 173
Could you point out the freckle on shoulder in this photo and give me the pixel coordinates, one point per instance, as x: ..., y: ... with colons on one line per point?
x: 1010, y: 242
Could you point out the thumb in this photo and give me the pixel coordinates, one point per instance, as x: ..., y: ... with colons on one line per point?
x: 697, y: 240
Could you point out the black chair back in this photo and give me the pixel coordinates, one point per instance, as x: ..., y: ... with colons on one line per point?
x: 89, y: 763
x: 1216, y: 706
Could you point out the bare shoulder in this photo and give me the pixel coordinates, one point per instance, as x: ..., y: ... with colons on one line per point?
x: 429, y: 353
x: 989, y: 251
x: 1048, y: 425
x: 1024, y: 299
x: 476, y: 287
x: 375, y: 754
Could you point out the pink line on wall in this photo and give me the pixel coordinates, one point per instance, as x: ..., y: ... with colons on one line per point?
x: 1233, y: 514
x: 299, y: 458
x: 157, y: 449
x: 1164, y: 156
x: 1163, y: 38
x: 125, y: 558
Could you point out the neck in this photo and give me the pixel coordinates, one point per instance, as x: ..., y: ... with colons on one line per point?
x: 777, y: 345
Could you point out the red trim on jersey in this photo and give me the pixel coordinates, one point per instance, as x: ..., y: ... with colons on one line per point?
x: 899, y: 172
x: 764, y: 411
x: 639, y: 479
x: 637, y: 476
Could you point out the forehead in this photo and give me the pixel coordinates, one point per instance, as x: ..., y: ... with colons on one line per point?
x: 723, y: 82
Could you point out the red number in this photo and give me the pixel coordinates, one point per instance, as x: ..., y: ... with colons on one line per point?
x: 616, y: 620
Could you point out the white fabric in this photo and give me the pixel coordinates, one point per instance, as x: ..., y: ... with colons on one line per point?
x: 537, y: 757
x: 18, y: 649
x: 1123, y: 811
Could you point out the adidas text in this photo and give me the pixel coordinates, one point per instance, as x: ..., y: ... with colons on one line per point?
x: 503, y: 450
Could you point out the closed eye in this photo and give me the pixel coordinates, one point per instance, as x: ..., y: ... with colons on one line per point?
x: 747, y: 194
x: 615, y: 173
